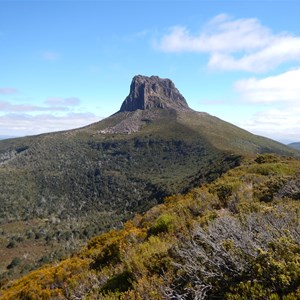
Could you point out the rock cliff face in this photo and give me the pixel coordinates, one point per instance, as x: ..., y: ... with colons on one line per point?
x: 153, y: 92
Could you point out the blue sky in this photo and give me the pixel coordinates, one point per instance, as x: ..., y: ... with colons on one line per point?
x: 65, y: 64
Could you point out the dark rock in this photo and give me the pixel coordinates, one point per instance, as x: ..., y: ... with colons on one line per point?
x: 153, y: 92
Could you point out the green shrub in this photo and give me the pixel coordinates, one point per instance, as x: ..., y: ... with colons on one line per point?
x: 109, y: 255
x: 266, y: 158
x: 164, y: 223
x: 15, y: 262
x: 119, y: 283
x: 11, y: 244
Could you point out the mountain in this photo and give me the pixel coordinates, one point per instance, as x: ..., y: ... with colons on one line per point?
x: 147, y: 93
x: 59, y: 189
x: 4, y: 137
x: 235, y: 238
x: 295, y: 145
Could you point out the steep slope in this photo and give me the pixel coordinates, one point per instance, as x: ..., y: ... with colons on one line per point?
x: 235, y: 238
x: 59, y: 189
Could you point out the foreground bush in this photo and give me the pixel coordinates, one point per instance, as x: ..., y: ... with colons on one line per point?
x: 220, y: 241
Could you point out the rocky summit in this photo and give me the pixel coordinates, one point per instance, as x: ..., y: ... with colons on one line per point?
x: 153, y: 92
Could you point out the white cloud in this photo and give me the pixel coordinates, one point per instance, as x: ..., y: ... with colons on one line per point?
x: 63, y: 101
x: 219, y: 35
x: 279, y: 124
x: 241, y: 44
x: 282, y: 88
x: 25, y: 124
x: 281, y: 95
x: 9, y: 107
x: 280, y: 50
x: 8, y: 91
x: 52, y: 104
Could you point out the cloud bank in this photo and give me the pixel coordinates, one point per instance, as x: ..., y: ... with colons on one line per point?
x: 282, y: 88
x: 235, y: 44
x: 55, y: 115
x: 281, y: 93
x: 9, y: 107
x: 279, y: 124
x: 25, y: 124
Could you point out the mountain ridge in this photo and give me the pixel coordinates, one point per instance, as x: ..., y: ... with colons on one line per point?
x: 295, y: 145
x: 88, y: 180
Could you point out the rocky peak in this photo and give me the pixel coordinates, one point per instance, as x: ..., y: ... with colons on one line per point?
x: 153, y: 92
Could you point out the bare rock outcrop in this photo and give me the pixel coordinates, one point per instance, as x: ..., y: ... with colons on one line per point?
x: 153, y: 92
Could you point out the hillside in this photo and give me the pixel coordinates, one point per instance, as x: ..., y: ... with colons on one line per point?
x: 295, y: 145
x: 235, y: 238
x: 59, y: 189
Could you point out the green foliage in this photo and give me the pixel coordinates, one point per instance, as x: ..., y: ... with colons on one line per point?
x: 276, y: 271
x: 15, y: 262
x: 109, y: 255
x: 71, y: 186
x: 224, y: 192
x: 11, y: 244
x: 271, y: 186
x: 163, y: 224
x: 192, y: 246
x: 267, y: 158
x: 119, y: 283
x: 64, y: 188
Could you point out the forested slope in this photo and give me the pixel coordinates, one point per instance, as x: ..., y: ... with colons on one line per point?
x: 235, y: 238
x: 60, y: 189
